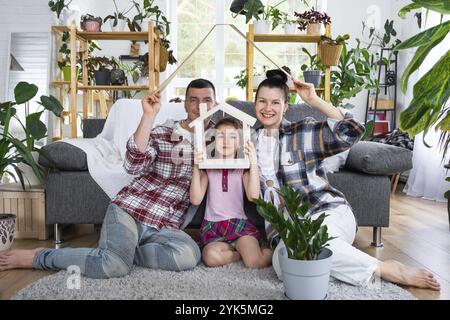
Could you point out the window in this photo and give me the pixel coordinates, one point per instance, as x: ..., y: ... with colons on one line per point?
x: 222, y: 56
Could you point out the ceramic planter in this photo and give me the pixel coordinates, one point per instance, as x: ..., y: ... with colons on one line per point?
x: 306, y: 280
x: 314, y: 29
x: 92, y: 25
x: 7, y: 229
x: 67, y: 73
x: 262, y: 26
x: 314, y: 77
x: 119, y: 27
x: 290, y: 28
x: 102, y: 78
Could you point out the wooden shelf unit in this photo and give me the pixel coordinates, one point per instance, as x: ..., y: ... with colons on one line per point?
x: 153, y: 41
x: 286, y: 38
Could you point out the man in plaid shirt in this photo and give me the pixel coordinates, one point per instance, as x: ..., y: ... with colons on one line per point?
x: 142, y: 223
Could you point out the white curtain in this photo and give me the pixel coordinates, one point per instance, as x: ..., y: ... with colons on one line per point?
x: 427, y: 177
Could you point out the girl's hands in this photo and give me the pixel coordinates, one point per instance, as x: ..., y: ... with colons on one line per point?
x: 250, y: 151
x: 198, y: 158
x: 306, y: 91
x: 151, y: 104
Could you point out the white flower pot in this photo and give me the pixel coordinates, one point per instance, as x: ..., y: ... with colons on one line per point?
x: 68, y: 15
x: 290, y: 28
x: 262, y: 26
x: 306, y: 280
x: 119, y: 27
x: 7, y: 229
x: 257, y: 80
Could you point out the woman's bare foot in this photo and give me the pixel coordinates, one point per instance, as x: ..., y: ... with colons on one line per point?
x: 397, y: 272
x: 18, y: 259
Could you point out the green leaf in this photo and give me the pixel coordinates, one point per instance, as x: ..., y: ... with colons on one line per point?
x: 416, y: 61
x: 52, y: 104
x: 441, y: 6
x: 408, y: 8
x: 35, y: 126
x: 24, y: 92
x: 426, y: 37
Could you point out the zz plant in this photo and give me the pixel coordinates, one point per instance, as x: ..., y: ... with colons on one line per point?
x: 303, y: 236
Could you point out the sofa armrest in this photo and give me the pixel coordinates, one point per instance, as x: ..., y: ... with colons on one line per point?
x: 378, y: 158
x: 63, y: 156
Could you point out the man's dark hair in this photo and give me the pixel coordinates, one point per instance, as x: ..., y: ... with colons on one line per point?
x: 201, y: 84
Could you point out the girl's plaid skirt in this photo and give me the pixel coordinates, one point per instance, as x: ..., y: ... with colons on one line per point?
x: 226, y: 231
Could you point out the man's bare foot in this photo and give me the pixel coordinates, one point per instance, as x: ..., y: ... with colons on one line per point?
x: 18, y: 259
x: 397, y: 272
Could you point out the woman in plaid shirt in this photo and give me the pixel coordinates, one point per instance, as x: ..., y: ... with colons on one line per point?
x: 142, y: 223
x: 299, y: 149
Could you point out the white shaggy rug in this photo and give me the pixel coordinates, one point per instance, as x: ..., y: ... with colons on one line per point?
x: 228, y: 283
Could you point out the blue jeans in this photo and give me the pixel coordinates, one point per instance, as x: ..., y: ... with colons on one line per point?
x: 124, y: 242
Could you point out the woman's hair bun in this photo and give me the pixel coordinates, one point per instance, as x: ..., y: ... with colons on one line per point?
x: 277, y: 75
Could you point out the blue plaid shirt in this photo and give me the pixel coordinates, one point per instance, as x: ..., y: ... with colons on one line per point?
x: 303, y: 146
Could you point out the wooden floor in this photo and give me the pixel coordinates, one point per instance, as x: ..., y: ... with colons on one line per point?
x: 418, y: 235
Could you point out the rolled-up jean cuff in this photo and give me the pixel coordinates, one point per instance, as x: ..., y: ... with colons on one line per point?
x: 38, y: 262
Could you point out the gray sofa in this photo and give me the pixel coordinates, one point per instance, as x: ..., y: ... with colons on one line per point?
x: 73, y: 197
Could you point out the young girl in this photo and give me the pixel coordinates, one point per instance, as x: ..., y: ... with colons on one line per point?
x: 226, y: 235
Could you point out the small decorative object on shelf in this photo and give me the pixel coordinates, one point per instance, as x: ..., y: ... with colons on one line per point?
x: 304, y: 260
x: 312, y: 72
x: 312, y: 21
x: 90, y: 23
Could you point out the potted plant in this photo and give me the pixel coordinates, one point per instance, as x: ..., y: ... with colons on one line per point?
x: 312, y: 72
x: 19, y: 153
x: 58, y: 6
x: 266, y: 18
x: 118, y: 19
x: 100, y: 69
x: 312, y: 21
x: 90, y: 23
x: 305, y: 261
x: 329, y: 49
x: 289, y: 24
x: 352, y: 75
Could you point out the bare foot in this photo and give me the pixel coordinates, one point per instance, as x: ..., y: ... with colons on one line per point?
x: 397, y: 272
x: 18, y: 259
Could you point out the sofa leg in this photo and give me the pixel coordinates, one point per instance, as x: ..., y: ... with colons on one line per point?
x: 57, y: 236
x: 377, y: 237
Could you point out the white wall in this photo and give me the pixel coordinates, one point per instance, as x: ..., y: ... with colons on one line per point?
x: 347, y: 17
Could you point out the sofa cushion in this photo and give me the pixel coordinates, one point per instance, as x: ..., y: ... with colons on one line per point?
x: 63, y: 156
x: 378, y: 158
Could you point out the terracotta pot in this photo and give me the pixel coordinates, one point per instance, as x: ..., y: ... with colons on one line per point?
x: 134, y: 49
x: 329, y: 54
x: 92, y: 26
x: 314, y: 29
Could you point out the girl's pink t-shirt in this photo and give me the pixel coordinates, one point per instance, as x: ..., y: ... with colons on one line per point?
x: 225, y: 195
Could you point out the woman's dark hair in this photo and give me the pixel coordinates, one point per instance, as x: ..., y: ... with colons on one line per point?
x: 276, y: 79
x: 201, y: 84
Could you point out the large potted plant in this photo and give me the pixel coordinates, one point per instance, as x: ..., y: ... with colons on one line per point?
x: 266, y: 18
x: 305, y: 261
x: 329, y: 49
x: 312, y: 21
x: 353, y: 74
x: 16, y: 149
x: 313, y: 70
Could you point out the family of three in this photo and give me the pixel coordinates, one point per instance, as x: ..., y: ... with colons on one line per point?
x: 142, y: 225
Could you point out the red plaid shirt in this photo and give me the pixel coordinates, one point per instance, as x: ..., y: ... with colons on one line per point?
x: 159, y: 196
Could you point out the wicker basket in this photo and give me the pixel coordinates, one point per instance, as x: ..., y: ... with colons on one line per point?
x: 163, y: 58
x: 329, y: 54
